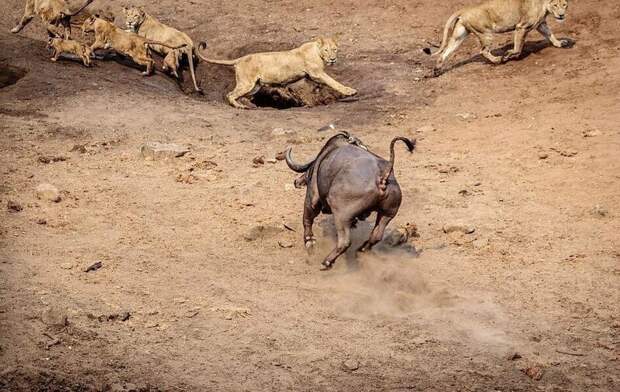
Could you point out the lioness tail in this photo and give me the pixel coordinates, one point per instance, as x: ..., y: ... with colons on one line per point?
x: 447, y: 32
x: 203, y: 46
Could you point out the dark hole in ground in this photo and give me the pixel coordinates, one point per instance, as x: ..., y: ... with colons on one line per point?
x: 304, y: 92
x: 10, y: 75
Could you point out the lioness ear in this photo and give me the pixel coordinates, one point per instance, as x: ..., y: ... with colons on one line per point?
x: 320, y: 40
x: 337, y: 37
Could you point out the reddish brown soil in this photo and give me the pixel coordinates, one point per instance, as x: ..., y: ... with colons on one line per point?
x: 210, y: 310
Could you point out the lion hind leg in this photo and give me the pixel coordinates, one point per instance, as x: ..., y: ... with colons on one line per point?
x: 241, y: 89
x: 456, y: 39
x: 28, y: 15
x: 486, y: 40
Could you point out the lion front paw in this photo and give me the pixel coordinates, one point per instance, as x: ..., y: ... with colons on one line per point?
x: 15, y: 30
x: 348, y: 91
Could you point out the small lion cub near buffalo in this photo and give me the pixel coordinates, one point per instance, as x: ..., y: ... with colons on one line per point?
x: 60, y: 46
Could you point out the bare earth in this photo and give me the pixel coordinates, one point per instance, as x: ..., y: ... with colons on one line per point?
x: 527, y: 153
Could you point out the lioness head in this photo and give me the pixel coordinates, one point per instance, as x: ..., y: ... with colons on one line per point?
x: 89, y: 24
x: 558, y: 8
x: 134, y: 17
x: 328, y: 49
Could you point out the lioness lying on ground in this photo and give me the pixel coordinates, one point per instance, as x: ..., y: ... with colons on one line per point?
x: 60, y: 46
x: 145, y: 25
x: 499, y: 16
x: 54, y: 13
x: 279, y: 68
x: 108, y: 36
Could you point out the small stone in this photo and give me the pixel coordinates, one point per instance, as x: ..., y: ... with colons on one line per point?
x: 534, y: 372
x: 513, y: 356
x: 13, y: 206
x: 41, y: 221
x: 54, y: 317
x: 66, y: 266
x: 599, y: 211
x: 44, y: 159
x: 591, y: 133
x: 466, y: 116
x: 258, y: 161
x: 271, y: 160
x: 161, y: 151
x: 456, y: 227
x: 351, y: 365
x: 281, y: 132
x: 81, y: 148
x: 480, y: 243
x: 285, y: 244
x: 281, y: 156
x: 94, y: 267
x: 543, y: 155
x: 48, y: 192
x: 186, y: 178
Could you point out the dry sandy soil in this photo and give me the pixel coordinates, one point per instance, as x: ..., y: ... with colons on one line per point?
x: 527, y: 153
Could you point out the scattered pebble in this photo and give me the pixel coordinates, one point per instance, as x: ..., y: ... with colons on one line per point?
x: 13, y: 206
x: 456, y: 227
x: 161, y: 151
x: 513, y: 356
x: 591, y: 133
x: 600, y: 211
x: 466, y: 116
x: 534, y: 372
x: 94, y: 267
x: 258, y: 161
x: 41, y: 221
x: 426, y: 129
x: 285, y: 244
x: 543, y: 155
x: 351, y: 365
x: 281, y: 132
x: 48, y: 192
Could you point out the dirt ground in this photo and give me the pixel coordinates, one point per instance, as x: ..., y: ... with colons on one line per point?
x: 203, y: 288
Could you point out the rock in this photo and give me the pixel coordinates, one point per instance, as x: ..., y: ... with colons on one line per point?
x: 568, y: 153
x: 281, y: 156
x: 543, y: 155
x: 13, y: 206
x: 513, y: 356
x: 328, y: 127
x: 599, y: 211
x: 261, y: 232
x: 45, y: 159
x: 285, y: 244
x: 401, y: 235
x: 48, y: 192
x: 534, y: 372
x: 161, y: 151
x: 186, y: 178
x: 54, y: 317
x: 466, y: 116
x: 271, y: 160
x: 591, y: 133
x: 81, y: 148
x: 351, y: 365
x: 41, y: 221
x: 66, y: 266
x: 94, y: 267
x: 258, y: 161
x: 281, y: 132
x: 480, y: 243
x: 457, y: 227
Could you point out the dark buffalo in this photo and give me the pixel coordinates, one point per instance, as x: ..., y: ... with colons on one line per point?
x: 351, y: 182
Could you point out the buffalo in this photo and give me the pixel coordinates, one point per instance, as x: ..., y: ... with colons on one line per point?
x: 350, y: 182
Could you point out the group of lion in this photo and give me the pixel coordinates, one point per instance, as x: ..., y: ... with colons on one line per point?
x: 143, y: 33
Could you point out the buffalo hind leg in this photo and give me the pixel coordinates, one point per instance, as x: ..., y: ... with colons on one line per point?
x: 343, y: 228
x: 376, y: 234
x: 310, y: 213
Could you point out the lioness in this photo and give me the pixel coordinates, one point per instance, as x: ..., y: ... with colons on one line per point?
x: 108, y: 36
x: 79, y: 49
x: 279, y: 68
x: 500, y: 16
x: 54, y: 13
x: 145, y: 25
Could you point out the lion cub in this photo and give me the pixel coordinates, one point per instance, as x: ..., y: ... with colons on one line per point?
x: 279, y: 68
x: 109, y: 36
x: 60, y: 46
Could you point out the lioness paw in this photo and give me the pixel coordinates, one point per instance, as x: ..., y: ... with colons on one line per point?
x: 349, y: 91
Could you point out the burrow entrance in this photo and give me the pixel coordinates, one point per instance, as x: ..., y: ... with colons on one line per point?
x: 10, y: 75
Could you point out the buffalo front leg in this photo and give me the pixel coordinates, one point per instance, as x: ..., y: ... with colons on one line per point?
x: 343, y: 228
x: 310, y: 213
x: 376, y: 234
x: 322, y: 77
x: 546, y: 32
x: 519, y: 40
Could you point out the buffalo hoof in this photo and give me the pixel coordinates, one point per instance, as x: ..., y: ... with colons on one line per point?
x: 326, y: 266
x: 310, y: 245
